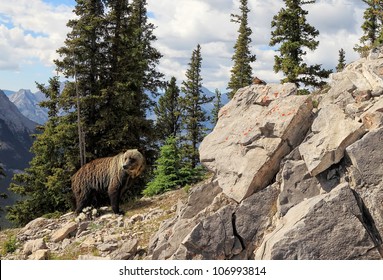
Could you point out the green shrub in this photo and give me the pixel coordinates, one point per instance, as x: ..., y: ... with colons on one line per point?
x: 10, y: 245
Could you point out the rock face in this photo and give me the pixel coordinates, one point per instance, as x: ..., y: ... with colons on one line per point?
x: 331, y: 132
x: 262, y: 122
x: 290, y: 181
x: 15, y: 144
x: 311, y: 231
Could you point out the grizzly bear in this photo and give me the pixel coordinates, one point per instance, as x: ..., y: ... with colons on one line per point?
x: 110, y: 175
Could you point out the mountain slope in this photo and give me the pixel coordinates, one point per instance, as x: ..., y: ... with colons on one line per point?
x: 15, y: 142
x: 28, y: 104
x: 8, y: 92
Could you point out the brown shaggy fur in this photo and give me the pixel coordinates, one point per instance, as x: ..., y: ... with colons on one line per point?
x: 109, y: 175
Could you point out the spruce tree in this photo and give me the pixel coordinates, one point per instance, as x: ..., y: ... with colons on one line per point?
x: 194, y: 116
x: 133, y: 77
x: 293, y: 35
x: 217, y: 107
x: 45, y: 184
x: 341, y: 60
x: 117, y: 39
x: 83, y: 57
x: 241, y: 73
x: 168, y: 112
x: 109, y: 52
x: 167, y: 169
x: 372, y: 27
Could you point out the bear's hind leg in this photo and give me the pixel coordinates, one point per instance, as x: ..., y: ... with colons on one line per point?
x: 84, y: 201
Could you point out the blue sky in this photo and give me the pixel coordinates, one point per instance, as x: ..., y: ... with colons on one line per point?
x: 32, y: 30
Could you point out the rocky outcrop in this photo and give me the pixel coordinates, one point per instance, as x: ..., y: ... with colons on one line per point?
x: 290, y: 181
x: 262, y: 122
x: 331, y: 132
x: 222, y: 230
x: 329, y: 226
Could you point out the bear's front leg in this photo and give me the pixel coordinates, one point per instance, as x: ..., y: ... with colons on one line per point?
x: 114, y: 196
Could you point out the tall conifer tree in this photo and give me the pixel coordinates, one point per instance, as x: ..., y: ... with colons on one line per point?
x: 194, y: 116
x: 117, y: 39
x: 217, y: 107
x: 372, y: 27
x: 293, y: 35
x: 109, y: 51
x: 241, y: 73
x: 168, y: 112
x: 45, y: 185
x: 83, y: 57
x: 132, y: 77
x: 341, y: 60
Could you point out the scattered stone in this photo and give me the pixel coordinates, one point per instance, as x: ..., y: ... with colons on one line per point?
x: 108, y: 247
x: 378, y: 91
x: 32, y: 246
x: 136, y: 218
x: 91, y: 257
x: 39, y: 255
x: 127, y: 251
x: 154, y: 213
x: 64, y: 232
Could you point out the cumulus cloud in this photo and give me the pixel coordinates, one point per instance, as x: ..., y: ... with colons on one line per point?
x: 182, y: 24
x: 30, y: 30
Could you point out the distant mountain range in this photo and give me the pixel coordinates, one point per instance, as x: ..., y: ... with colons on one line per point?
x: 27, y: 103
x: 15, y: 143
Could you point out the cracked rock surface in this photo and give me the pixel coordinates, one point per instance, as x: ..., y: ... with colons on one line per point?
x: 290, y: 181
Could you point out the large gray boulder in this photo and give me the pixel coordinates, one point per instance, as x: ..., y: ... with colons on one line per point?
x: 255, y: 130
x: 331, y: 133
x: 367, y: 158
x: 366, y: 155
x: 327, y: 227
x: 296, y: 185
x: 223, y: 229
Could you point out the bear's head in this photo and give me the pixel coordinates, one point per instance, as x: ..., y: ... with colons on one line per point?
x: 133, y: 162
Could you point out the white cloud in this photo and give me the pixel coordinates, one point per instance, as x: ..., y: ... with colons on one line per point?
x: 182, y: 24
x: 333, y: 15
x: 30, y: 30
